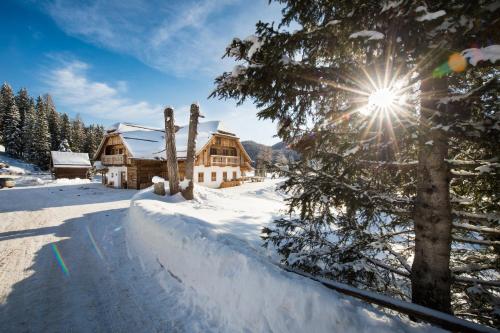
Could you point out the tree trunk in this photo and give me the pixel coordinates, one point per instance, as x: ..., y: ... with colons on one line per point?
x: 172, y: 167
x: 191, y: 151
x: 430, y: 276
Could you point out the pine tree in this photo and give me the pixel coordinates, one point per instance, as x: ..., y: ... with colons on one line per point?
x: 11, y: 122
x: 398, y: 134
x: 65, y: 129
x: 54, y: 121
x: 41, y: 144
x: 28, y: 132
x: 1, y: 119
x: 64, y: 146
x: 93, y: 136
x: 23, y: 101
x: 77, y: 135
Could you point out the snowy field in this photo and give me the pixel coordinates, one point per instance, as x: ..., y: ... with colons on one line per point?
x: 206, y: 254
x: 26, y: 174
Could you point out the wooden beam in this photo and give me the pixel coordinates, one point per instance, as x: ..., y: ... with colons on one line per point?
x: 187, y: 193
x: 171, y: 151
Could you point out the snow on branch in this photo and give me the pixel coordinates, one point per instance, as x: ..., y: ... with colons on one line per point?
x: 474, y: 55
x: 428, y: 16
x: 372, y: 35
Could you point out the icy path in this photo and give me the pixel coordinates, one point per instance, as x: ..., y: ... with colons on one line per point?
x: 97, y: 289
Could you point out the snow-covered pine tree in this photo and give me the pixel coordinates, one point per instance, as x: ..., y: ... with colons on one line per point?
x: 65, y: 129
x: 11, y: 122
x: 92, y: 139
x: 388, y: 102
x: 64, y: 146
x: 23, y: 101
x: 77, y: 135
x: 54, y: 121
x: 28, y: 132
x: 1, y: 120
x: 41, y: 139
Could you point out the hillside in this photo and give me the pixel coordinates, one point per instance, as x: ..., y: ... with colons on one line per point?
x: 278, y: 151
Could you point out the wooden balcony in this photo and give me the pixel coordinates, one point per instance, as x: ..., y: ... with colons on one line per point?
x: 221, y: 160
x: 113, y: 159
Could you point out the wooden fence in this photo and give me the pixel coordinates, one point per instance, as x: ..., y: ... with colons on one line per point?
x: 416, y: 311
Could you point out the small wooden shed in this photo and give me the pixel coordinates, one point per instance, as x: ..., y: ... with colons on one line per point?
x: 70, y: 165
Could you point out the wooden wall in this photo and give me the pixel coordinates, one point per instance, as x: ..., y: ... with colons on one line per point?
x: 141, y: 172
x: 220, y: 142
x: 70, y: 173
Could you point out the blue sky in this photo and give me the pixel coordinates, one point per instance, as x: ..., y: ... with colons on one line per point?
x: 115, y: 61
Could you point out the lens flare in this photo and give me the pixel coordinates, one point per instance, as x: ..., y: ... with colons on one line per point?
x: 94, y: 244
x: 60, y: 259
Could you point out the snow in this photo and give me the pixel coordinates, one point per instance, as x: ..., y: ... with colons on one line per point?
x: 391, y: 4
x: 351, y: 151
x: 429, y: 16
x: 149, y: 143
x: 70, y: 159
x: 373, y: 35
x: 101, y: 289
x: 475, y: 55
x: 256, y: 45
x: 184, y: 184
x: 333, y: 22
x: 157, y: 179
x: 208, y: 252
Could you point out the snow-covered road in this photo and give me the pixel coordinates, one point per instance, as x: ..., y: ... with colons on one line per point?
x: 64, y: 264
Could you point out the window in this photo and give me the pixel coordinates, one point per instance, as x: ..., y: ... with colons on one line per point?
x: 213, y: 151
x: 224, y: 176
x: 214, y: 176
x: 201, y: 177
x: 218, y: 141
x: 120, y: 151
x: 235, y: 176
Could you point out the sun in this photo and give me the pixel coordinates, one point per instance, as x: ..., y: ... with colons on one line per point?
x: 382, y: 99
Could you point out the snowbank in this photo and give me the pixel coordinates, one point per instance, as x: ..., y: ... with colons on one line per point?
x: 221, y: 271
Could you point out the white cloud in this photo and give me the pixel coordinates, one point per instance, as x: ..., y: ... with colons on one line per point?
x: 71, y: 87
x: 180, y: 38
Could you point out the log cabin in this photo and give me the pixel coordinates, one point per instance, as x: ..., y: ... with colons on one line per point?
x: 69, y: 165
x: 130, y: 155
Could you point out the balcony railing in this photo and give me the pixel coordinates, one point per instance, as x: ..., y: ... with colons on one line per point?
x: 225, y: 160
x: 113, y: 159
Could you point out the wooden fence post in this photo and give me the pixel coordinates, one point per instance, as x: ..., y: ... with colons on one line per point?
x: 171, y: 151
x: 191, y: 151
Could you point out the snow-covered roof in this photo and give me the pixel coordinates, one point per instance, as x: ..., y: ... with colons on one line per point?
x: 149, y: 143
x: 69, y: 159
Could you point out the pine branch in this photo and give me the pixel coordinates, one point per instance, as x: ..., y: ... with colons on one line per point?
x: 466, y: 226
x: 387, y: 267
x: 473, y: 268
x: 475, y: 241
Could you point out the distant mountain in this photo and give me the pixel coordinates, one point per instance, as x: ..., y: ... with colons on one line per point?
x: 278, y: 151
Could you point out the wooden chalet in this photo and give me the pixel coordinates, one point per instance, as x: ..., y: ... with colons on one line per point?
x: 129, y: 155
x: 69, y: 165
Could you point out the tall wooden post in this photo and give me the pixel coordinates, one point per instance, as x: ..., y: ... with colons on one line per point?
x: 191, y: 150
x: 171, y: 151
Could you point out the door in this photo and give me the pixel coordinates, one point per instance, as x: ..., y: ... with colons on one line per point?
x: 123, y: 178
